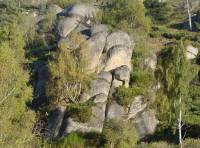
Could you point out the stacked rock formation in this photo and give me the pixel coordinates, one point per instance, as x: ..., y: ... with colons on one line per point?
x: 110, y: 57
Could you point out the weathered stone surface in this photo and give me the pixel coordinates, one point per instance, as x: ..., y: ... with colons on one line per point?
x: 54, y: 9
x: 95, y: 48
x: 151, y: 62
x: 105, y: 75
x: 145, y: 123
x: 192, y: 52
x: 118, y: 38
x: 99, y: 86
x: 55, y: 122
x: 99, y: 28
x: 94, y: 125
x: 116, y: 57
x: 100, y: 98
x: 84, y: 30
x: 82, y: 10
x: 66, y: 25
x: 115, y: 111
x: 137, y: 106
x: 115, y: 84
x: 122, y: 73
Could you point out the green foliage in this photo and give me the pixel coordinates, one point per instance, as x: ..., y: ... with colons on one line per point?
x: 71, y: 141
x: 155, y: 145
x: 63, y: 3
x: 119, y: 134
x: 80, y: 112
x: 160, y: 11
x: 191, y: 143
x: 142, y: 79
x: 69, y: 75
x: 193, y: 106
x: 126, y: 15
x: 16, y: 120
x: 125, y: 96
x: 177, y: 71
x: 164, y: 111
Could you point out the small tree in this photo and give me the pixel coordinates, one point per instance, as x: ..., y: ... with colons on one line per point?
x: 68, y: 75
x: 177, y: 74
x: 118, y: 134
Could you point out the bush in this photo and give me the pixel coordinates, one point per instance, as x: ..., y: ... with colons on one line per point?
x: 119, y: 134
x: 63, y: 3
x: 126, y: 15
x: 142, y: 79
x: 80, y: 112
x: 191, y: 143
x: 155, y: 145
x: 68, y: 75
x: 71, y: 141
x: 160, y: 11
x: 125, y: 96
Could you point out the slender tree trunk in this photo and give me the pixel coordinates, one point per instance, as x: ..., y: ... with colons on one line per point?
x: 179, y: 123
x: 189, y: 15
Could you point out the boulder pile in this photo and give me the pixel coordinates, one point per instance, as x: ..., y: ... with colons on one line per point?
x: 109, y: 55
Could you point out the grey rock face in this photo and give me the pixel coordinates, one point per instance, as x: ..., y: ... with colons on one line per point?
x: 55, y: 122
x: 105, y: 75
x: 66, y: 25
x: 122, y: 73
x: 100, y: 98
x: 94, y: 125
x: 115, y: 84
x: 192, y: 52
x: 145, y: 123
x: 93, y: 53
x: 99, y: 28
x: 137, y: 106
x: 99, y: 86
x: 116, y: 57
x: 116, y: 111
x: 118, y: 38
x: 54, y: 9
x: 82, y: 10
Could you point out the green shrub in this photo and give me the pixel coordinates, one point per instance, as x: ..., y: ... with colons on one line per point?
x: 160, y: 11
x: 191, y: 143
x: 71, y: 141
x: 119, y: 134
x: 142, y: 79
x: 155, y: 145
x: 68, y: 75
x: 126, y: 15
x: 63, y: 3
x: 80, y: 112
x: 125, y: 96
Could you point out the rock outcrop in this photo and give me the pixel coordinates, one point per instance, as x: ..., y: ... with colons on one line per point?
x: 109, y: 55
x: 192, y: 52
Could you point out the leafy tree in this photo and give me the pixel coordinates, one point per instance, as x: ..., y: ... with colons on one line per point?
x: 160, y: 11
x: 16, y: 119
x: 177, y: 74
x: 69, y: 75
x: 126, y: 15
x: 119, y: 134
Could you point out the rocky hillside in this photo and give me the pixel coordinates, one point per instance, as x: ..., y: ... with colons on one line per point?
x: 116, y: 73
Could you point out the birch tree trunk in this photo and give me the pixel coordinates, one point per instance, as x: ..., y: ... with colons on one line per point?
x: 189, y: 15
x: 179, y: 123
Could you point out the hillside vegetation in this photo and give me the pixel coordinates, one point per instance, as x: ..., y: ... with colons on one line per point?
x: 99, y: 73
